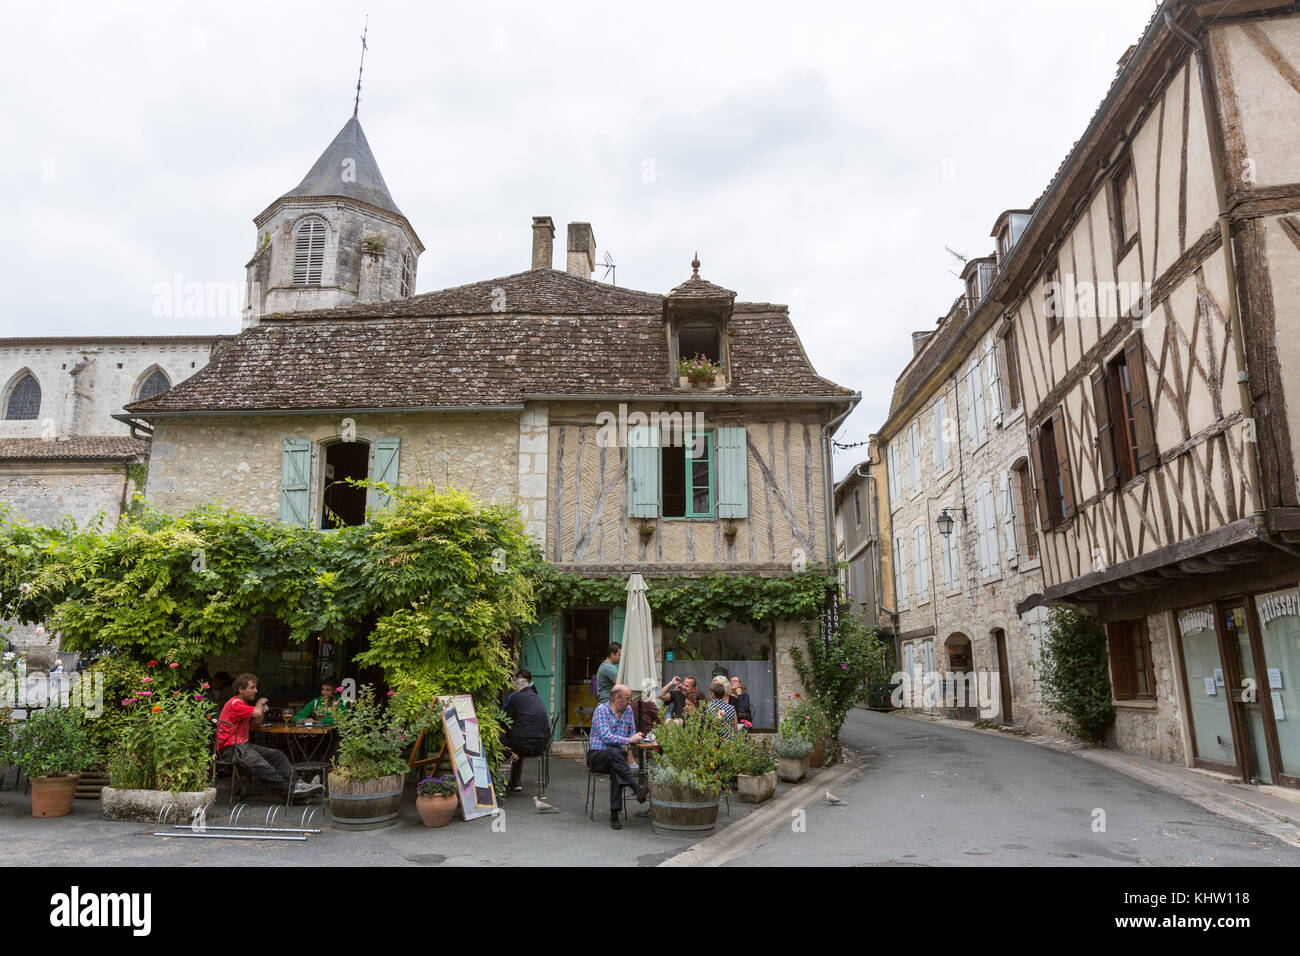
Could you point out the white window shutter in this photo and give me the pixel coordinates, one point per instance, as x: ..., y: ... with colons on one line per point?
x: 995, y: 385
x: 1009, y: 518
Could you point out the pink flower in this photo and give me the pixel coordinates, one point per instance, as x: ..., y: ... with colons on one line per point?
x: 198, y: 696
x: 390, y: 693
x: 146, y: 680
x: 128, y: 700
x: 204, y: 686
x: 173, y: 664
x: 146, y: 693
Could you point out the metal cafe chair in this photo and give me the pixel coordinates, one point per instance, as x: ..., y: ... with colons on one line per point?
x: 544, y: 760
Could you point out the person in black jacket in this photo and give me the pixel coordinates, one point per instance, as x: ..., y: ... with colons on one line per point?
x: 529, y: 725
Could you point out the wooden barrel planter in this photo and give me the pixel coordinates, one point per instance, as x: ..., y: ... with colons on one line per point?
x: 681, y: 811
x: 366, y: 804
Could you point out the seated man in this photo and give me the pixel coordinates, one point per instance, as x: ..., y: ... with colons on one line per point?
x: 612, y: 732
x: 239, y: 717
x: 529, y: 725
x: 321, y: 709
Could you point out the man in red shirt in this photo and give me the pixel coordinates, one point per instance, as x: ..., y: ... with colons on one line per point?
x: 239, y: 717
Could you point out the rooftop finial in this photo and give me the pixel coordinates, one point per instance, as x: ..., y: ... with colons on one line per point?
x: 356, y: 105
x: 695, y: 266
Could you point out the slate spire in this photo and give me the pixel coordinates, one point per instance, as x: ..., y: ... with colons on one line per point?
x: 348, y: 169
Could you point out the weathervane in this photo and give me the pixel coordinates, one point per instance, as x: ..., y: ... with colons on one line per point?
x: 356, y: 105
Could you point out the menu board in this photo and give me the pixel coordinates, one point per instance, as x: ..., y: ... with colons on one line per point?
x: 469, y: 764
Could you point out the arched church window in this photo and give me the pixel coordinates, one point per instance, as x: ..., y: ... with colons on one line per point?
x: 308, y: 252
x: 408, y: 275
x: 155, y: 382
x: 24, y: 400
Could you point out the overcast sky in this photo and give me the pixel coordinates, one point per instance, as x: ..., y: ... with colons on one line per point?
x: 816, y: 155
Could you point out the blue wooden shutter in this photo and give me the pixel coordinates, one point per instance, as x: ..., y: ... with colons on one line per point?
x: 732, y: 462
x: 543, y: 656
x: 386, y: 455
x: 643, y: 473
x: 617, y: 621
x: 295, y: 470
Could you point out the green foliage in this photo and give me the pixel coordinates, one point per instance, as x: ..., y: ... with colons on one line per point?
x: 372, y: 739
x: 755, y: 756
x: 803, y: 719
x: 50, y: 740
x: 791, y: 748
x: 119, y: 675
x: 697, y: 749
x: 164, y: 741
x: 834, y: 672
x: 1073, y: 669
x: 691, y: 605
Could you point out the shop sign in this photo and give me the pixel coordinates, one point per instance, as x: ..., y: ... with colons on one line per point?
x: 1278, y: 605
x: 1190, y: 621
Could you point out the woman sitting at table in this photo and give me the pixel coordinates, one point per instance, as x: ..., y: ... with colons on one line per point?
x: 739, y: 699
x: 321, y: 709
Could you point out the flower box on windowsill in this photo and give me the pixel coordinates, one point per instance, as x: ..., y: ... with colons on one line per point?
x: 718, y: 381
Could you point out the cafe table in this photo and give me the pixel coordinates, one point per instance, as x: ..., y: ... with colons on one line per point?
x: 302, y: 743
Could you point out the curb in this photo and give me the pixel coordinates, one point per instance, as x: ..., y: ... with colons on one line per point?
x: 743, y: 835
x: 1263, y: 818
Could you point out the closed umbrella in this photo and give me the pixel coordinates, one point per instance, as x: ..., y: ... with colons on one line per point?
x: 636, y: 668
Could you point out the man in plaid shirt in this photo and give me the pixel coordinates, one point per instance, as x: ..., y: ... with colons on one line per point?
x: 613, y: 730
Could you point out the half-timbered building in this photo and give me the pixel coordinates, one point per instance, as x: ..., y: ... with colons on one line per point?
x: 1155, y: 301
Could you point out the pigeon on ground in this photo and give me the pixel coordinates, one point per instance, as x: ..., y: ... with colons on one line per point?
x: 542, y: 806
x: 835, y: 801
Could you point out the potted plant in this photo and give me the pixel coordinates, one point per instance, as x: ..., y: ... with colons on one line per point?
x: 52, y: 747
x: 435, y: 800
x: 792, y: 755
x: 698, y: 370
x: 369, y: 771
x: 756, y: 780
x: 696, y: 763
x: 162, y: 754
x: 805, y: 719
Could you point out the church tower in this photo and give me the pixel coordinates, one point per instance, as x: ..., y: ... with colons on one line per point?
x: 336, y: 239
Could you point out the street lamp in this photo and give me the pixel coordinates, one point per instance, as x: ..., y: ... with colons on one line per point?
x: 945, y: 521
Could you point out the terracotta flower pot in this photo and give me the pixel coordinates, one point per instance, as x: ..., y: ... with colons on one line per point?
x: 52, y: 794
x: 818, y: 755
x: 436, y: 811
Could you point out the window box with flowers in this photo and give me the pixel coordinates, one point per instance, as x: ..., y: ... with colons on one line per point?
x: 699, y: 371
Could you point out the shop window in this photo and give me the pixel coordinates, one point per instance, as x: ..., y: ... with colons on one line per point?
x: 344, y: 504
x: 687, y: 480
x: 1131, y: 674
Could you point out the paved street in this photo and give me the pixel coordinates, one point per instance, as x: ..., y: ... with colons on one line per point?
x: 934, y: 795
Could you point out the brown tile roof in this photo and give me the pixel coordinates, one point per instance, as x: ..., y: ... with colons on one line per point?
x: 92, y: 447
x: 556, y: 335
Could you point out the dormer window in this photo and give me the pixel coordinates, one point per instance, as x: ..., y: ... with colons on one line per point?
x: 308, y: 252
x: 700, y: 338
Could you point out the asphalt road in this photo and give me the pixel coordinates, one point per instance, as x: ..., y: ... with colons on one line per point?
x: 939, y: 796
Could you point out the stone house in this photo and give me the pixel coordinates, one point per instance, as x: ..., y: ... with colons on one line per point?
x: 62, y: 454
x: 967, y: 570
x: 543, y: 389
x: 1153, y: 294
x: 859, y: 533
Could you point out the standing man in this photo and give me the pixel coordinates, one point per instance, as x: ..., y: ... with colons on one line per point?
x: 239, y: 717
x: 607, y: 673
x: 612, y: 732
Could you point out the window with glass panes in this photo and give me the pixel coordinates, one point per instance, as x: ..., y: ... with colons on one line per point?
x: 687, y: 478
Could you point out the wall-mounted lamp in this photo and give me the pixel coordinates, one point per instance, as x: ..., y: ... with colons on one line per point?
x: 945, y: 520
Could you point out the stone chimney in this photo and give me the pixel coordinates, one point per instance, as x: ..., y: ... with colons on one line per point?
x: 543, y: 242
x: 582, y: 250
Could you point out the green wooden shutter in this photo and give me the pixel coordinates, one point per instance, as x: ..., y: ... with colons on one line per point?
x: 643, y: 473
x: 295, y: 471
x: 543, y: 656
x: 732, y: 462
x: 617, y: 620
x: 386, y: 455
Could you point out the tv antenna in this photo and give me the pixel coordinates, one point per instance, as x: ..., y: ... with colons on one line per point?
x: 607, y: 263
x: 956, y: 255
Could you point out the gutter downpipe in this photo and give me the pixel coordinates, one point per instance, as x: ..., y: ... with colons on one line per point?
x: 1215, y: 131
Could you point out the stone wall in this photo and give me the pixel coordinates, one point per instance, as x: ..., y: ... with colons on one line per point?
x: 1155, y: 728
x: 237, y: 461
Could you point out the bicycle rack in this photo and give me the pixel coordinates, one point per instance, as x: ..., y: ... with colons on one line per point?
x: 272, y: 829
